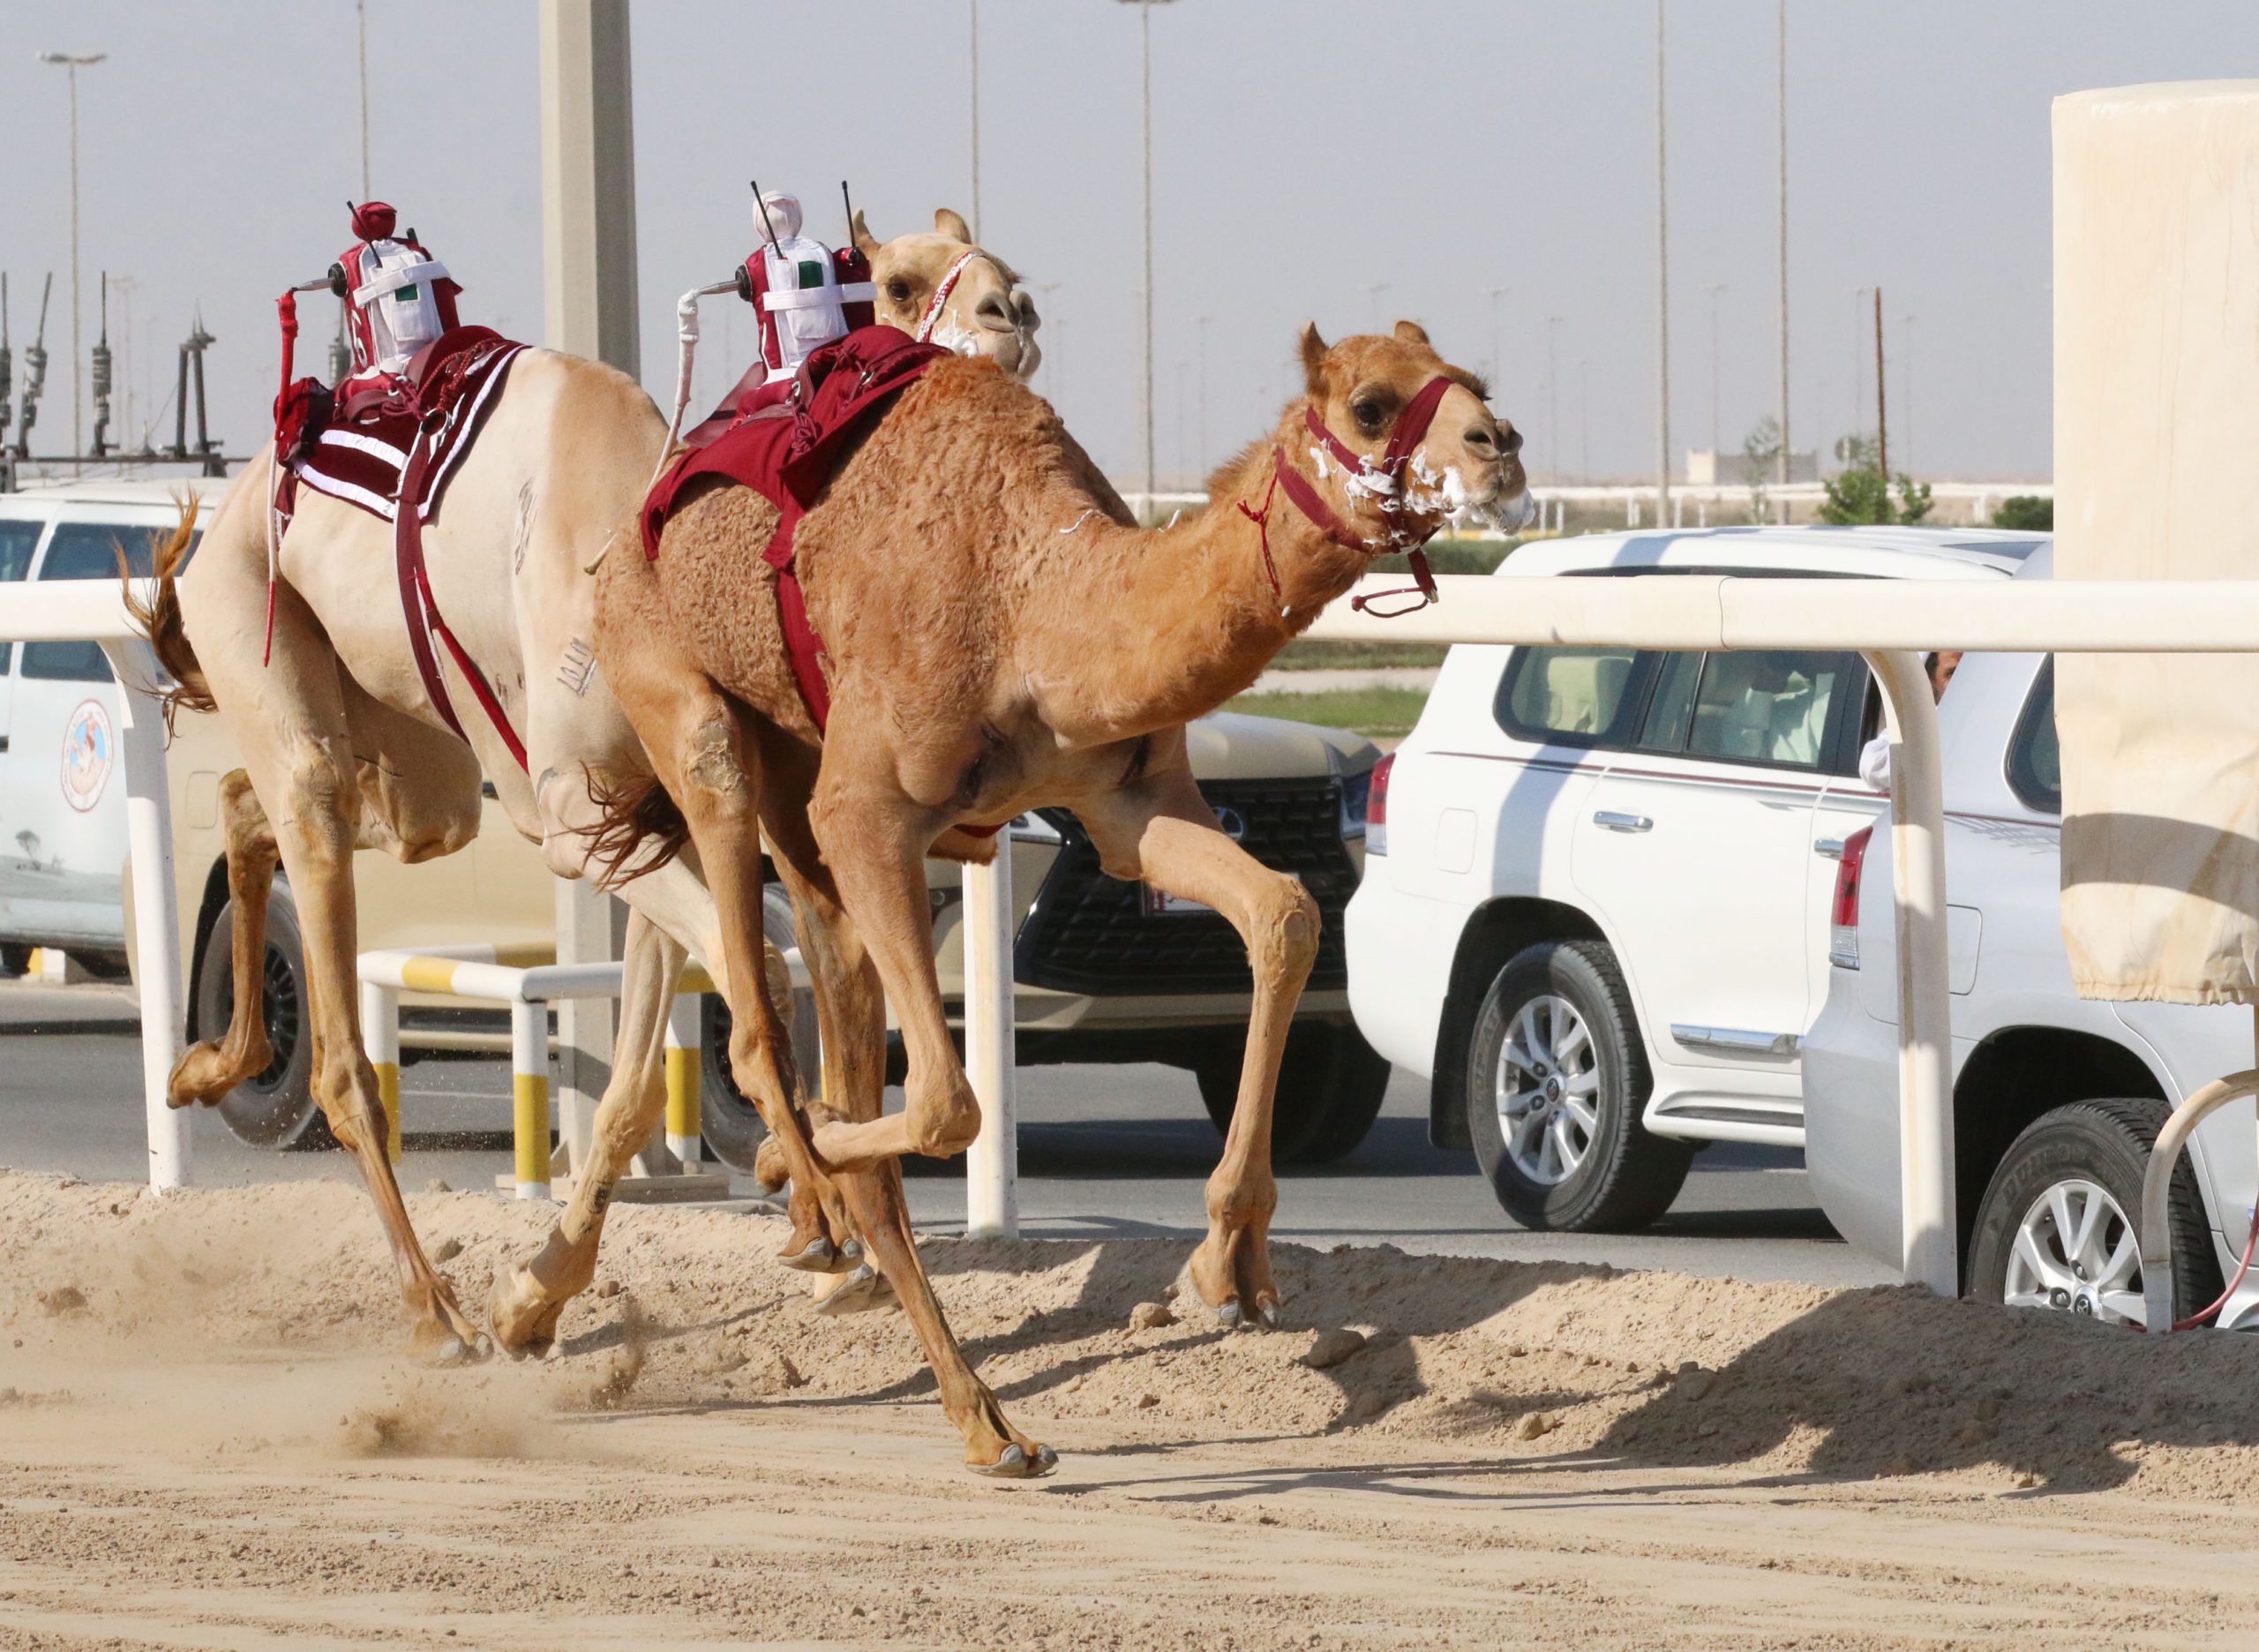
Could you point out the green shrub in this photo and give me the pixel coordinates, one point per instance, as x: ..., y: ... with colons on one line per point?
x: 2026, y: 512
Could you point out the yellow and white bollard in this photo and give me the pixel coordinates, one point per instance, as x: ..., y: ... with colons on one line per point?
x: 381, y: 1038
x: 529, y: 1095
x: 683, y: 1040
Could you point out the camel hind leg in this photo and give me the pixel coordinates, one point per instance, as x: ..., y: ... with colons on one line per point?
x: 528, y: 1301
x: 210, y: 1069
x: 299, y: 728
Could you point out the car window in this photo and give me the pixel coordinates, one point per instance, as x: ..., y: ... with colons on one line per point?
x: 1772, y: 706
x: 1572, y: 696
x: 80, y: 551
x: 1672, y: 708
x: 2035, y: 758
x: 88, y: 550
x: 17, y: 539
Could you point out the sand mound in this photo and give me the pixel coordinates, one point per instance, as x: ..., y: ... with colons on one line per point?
x: 1539, y: 1360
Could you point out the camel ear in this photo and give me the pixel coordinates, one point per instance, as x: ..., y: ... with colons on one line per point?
x: 1412, y: 332
x: 947, y: 223
x: 1313, y: 359
x: 865, y: 243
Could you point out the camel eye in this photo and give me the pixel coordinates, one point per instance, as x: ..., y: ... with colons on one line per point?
x: 898, y: 291
x: 1369, y: 415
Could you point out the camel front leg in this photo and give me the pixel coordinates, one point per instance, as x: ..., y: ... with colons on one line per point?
x: 209, y: 1071
x: 874, y: 841
x: 1160, y: 831
x: 528, y: 1303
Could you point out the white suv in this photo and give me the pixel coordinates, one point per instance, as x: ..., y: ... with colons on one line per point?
x: 2056, y: 1099
x: 1597, y: 878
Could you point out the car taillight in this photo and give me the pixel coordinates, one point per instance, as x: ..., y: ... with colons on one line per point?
x: 1843, y: 917
x: 1377, y: 807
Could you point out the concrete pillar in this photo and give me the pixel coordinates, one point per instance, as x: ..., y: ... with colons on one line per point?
x: 588, y: 181
x: 588, y: 235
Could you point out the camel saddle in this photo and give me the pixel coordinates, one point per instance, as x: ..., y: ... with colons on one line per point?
x: 785, y: 442
x: 397, y: 439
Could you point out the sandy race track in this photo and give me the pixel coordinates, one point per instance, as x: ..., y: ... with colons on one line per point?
x: 208, y: 1439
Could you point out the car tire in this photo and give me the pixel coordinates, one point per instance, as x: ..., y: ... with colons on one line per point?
x: 274, y: 1108
x: 1557, y: 1026
x: 2053, y: 1171
x: 732, y: 1127
x: 1331, y: 1085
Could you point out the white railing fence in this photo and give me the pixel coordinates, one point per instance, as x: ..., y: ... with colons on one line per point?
x: 1890, y: 621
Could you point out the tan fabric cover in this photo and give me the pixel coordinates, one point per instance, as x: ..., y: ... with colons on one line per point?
x: 2157, y: 476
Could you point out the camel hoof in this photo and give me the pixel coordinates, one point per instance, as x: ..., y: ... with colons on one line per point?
x: 818, y: 1256
x: 455, y: 1351
x: 1015, y: 1464
x: 865, y: 1289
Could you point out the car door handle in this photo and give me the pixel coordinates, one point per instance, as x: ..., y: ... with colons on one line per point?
x: 1609, y: 819
x: 1830, y: 848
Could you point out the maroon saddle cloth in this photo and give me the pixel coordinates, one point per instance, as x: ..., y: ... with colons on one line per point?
x: 387, y: 439
x: 784, y: 444
x: 361, y: 453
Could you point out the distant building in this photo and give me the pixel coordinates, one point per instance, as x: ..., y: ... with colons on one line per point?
x: 1704, y: 469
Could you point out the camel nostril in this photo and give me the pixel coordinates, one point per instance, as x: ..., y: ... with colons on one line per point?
x: 1511, y: 444
x: 1024, y: 304
x: 995, y: 311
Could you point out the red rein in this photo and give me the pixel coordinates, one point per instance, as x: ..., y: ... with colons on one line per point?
x: 1411, y: 430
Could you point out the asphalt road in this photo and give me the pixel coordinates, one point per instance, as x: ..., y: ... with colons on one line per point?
x: 1104, y: 1151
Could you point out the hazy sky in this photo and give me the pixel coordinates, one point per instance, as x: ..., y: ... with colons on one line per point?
x: 1303, y: 153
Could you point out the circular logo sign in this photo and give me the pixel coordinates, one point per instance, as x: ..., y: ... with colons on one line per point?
x: 89, y: 748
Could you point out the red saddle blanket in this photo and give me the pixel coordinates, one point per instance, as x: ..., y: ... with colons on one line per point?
x: 785, y: 448
x: 361, y: 453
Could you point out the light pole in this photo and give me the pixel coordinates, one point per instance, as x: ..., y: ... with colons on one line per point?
x: 1201, y: 322
x: 361, y: 28
x: 1373, y: 290
x: 1662, y: 295
x: 1906, y: 390
x: 1780, y: 465
x: 1554, y: 444
x: 1714, y: 288
x: 1497, y: 365
x: 1584, y: 420
x: 71, y: 65
x: 973, y: 8
x: 1146, y: 57
x: 1859, y: 295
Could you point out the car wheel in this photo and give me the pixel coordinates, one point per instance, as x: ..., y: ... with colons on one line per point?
x: 2059, y: 1225
x: 1331, y: 1085
x: 276, y: 1107
x: 731, y: 1125
x: 1556, y: 1081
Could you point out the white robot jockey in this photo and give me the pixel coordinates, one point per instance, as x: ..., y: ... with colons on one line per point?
x: 804, y: 295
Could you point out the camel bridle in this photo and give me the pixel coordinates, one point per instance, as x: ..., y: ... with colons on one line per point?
x: 1383, y: 478
x: 944, y: 288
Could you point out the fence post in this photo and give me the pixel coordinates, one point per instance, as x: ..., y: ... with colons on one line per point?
x: 529, y: 1095
x: 1928, y: 1236
x: 381, y: 1038
x: 683, y: 1053
x: 992, y: 1163
x: 156, y: 908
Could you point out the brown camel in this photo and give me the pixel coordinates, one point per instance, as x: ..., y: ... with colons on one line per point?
x: 343, y: 749
x: 1000, y: 639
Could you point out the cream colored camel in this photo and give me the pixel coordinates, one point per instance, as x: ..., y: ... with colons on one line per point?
x: 1001, y: 639
x: 342, y: 749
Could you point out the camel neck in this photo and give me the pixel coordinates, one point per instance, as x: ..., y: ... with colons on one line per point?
x: 1163, y: 625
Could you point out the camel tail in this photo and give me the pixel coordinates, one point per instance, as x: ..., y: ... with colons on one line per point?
x: 640, y: 829
x: 159, y: 620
